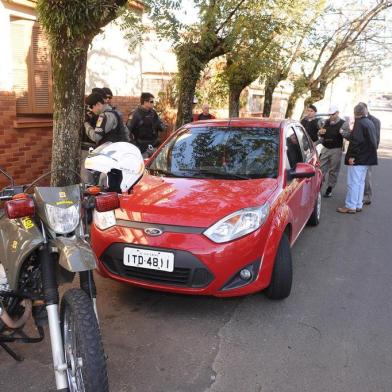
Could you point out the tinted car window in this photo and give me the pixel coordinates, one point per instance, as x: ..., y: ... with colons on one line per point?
x: 293, y: 150
x: 220, y: 152
x: 304, y: 142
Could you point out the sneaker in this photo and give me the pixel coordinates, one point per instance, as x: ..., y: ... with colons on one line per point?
x: 328, y: 192
x: 358, y: 209
x: 345, y: 210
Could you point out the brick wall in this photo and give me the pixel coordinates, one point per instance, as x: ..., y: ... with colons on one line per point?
x: 125, y: 105
x: 24, y: 152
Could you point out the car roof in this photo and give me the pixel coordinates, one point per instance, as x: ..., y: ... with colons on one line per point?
x: 241, y: 122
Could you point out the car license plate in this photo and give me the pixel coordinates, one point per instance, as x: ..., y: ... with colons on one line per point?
x: 150, y: 259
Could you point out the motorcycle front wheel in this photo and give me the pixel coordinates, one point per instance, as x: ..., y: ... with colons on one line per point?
x: 83, y: 349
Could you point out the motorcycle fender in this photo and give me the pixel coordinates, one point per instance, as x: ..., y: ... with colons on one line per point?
x: 18, y: 239
x: 75, y: 255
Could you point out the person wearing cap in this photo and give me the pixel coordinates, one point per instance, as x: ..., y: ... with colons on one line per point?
x: 331, y: 153
x: 311, y: 123
x: 145, y: 124
x: 368, y: 192
x: 100, y: 91
x: 109, y: 126
x: 361, y: 154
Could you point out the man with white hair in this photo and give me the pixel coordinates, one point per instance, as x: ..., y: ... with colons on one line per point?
x: 205, y: 115
x: 361, y: 154
x: 331, y: 153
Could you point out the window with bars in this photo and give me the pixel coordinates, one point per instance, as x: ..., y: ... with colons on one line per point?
x: 31, y: 68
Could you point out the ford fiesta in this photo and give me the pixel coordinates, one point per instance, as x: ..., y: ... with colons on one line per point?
x: 216, y: 211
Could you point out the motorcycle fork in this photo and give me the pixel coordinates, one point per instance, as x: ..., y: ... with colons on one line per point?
x: 87, y: 284
x: 51, y: 296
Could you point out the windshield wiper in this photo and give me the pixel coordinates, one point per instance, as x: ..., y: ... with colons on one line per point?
x: 220, y: 174
x: 161, y: 171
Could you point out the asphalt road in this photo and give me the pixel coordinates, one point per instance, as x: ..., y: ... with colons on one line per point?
x: 332, y: 334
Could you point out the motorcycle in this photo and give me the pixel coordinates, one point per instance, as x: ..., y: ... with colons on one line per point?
x: 43, y: 244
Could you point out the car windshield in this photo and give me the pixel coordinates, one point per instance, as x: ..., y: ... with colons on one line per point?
x: 220, y: 153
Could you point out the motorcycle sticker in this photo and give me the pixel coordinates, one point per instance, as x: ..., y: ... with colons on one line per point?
x: 27, y: 223
x: 62, y: 202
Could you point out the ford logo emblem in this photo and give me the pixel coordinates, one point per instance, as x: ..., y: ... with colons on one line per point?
x: 153, y: 231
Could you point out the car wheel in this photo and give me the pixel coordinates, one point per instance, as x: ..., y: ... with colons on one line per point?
x: 314, y: 219
x: 282, y: 275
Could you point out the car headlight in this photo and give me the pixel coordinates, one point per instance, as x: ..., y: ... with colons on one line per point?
x: 238, y: 224
x: 63, y: 220
x: 104, y: 220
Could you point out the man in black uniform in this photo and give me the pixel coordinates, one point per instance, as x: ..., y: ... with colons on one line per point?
x: 311, y: 123
x: 144, y: 123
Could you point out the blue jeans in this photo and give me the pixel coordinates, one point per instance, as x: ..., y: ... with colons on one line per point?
x: 355, y: 186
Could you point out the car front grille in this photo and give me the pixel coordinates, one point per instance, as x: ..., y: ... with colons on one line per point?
x: 188, y: 270
x: 178, y: 276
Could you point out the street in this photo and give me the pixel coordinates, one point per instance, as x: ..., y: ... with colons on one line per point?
x: 332, y: 334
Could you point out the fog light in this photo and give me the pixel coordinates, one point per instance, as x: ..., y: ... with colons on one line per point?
x: 245, y: 274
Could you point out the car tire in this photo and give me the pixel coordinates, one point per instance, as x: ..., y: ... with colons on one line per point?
x: 314, y: 219
x: 282, y: 274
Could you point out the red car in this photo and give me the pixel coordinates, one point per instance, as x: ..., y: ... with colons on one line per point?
x: 216, y: 212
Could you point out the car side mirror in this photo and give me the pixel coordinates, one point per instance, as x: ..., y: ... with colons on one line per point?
x: 302, y: 170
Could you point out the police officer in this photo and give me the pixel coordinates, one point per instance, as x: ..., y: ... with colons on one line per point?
x: 311, y: 123
x: 108, y: 96
x: 109, y: 126
x: 144, y: 123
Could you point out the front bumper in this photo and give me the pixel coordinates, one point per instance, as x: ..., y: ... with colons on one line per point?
x: 201, y: 266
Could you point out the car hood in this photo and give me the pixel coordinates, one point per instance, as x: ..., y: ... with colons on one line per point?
x: 191, y: 202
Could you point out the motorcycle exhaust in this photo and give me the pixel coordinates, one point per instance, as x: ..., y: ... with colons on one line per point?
x: 15, y: 324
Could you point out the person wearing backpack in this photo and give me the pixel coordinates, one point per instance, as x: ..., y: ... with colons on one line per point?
x: 144, y: 123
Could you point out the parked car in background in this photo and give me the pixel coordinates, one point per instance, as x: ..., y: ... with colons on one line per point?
x: 216, y: 212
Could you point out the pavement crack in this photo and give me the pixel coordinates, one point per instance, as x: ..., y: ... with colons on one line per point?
x: 214, y: 376
x: 312, y: 327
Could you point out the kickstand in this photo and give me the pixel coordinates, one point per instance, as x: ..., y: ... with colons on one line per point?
x: 11, y: 352
x: 23, y: 339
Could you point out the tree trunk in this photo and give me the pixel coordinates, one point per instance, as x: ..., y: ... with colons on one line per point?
x: 191, y: 60
x: 270, y: 87
x: 69, y: 72
x: 315, y: 95
x: 188, y: 75
x: 186, y: 91
x: 234, y: 101
x: 291, y: 103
